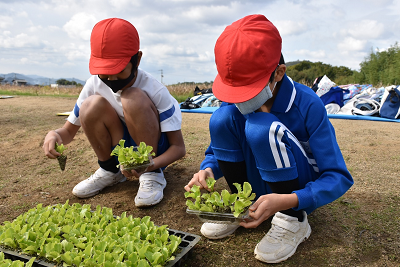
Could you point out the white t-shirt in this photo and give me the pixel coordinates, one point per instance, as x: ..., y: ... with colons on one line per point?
x: 166, y: 104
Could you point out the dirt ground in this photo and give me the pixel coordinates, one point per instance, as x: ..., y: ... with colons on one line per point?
x: 359, y: 229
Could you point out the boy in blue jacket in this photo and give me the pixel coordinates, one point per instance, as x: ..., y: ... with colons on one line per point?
x: 273, y: 133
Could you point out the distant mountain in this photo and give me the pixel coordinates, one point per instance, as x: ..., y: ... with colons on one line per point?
x: 33, y: 79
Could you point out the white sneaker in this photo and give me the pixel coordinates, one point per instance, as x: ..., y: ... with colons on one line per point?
x: 151, y: 189
x: 218, y: 230
x: 96, y: 182
x: 282, y: 239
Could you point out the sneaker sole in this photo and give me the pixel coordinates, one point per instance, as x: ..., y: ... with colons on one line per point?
x: 93, y: 193
x: 260, y: 258
x: 149, y: 205
x: 220, y: 236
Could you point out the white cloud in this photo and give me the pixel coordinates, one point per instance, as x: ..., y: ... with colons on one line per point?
x: 5, y: 22
x: 53, y: 28
x: 23, y: 14
x: 76, y: 52
x: 120, y: 5
x: 214, y: 14
x: 20, y: 41
x: 365, y: 29
x: 80, y: 26
x: 311, y: 55
x: 351, y: 44
x: 288, y: 27
x: 52, y: 37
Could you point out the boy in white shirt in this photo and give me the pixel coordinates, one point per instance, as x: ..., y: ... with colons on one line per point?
x: 121, y: 101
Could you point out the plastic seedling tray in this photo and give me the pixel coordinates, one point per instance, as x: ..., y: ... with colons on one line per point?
x: 216, y: 217
x: 139, y: 168
x: 14, y: 256
x: 184, y: 249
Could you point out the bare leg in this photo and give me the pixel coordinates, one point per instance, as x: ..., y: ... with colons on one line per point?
x: 101, y: 124
x: 141, y: 117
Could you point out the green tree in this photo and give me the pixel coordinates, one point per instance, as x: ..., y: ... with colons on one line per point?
x: 306, y: 72
x: 66, y: 82
x: 381, y: 68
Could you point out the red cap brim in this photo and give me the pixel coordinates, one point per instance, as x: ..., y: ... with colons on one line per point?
x: 238, y: 94
x: 107, y: 66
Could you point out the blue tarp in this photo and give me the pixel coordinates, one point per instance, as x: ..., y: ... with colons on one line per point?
x: 210, y: 110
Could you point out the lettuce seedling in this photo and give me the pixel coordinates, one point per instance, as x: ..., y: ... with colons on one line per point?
x: 16, y: 263
x: 245, y: 198
x: 220, y: 203
x: 76, y: 235
x: 62, y: 159
x: 133, y: 157
x: 210, y: 183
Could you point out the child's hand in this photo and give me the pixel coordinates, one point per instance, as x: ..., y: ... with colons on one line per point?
x: 267, y: 205
x: 50, y: 140
x: 200, y: 179
x: 130, y: 174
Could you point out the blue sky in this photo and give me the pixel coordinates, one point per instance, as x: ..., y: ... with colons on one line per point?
x: 51, y: 38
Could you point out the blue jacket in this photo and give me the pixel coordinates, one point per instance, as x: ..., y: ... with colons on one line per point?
x: 304, y: 114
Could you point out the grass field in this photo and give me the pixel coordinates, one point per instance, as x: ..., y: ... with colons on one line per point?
x: 180, y: 91
x: 359, y: 229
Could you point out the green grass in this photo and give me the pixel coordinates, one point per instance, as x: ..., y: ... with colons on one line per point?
x: 179, y: 97
x: 18, y: 93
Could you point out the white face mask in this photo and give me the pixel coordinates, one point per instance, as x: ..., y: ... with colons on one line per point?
x: 256, y: 102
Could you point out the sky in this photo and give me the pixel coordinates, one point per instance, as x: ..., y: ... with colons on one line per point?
x: 52, y: 38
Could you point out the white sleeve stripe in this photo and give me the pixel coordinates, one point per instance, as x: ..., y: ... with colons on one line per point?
x: 282, y: 146
x: 272, y: 144
x: 292, y: 97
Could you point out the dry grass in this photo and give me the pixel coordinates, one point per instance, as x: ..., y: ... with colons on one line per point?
x: 40, y: 90
x: 359, y: 229
x: 180, y: 91
x: 186, y: 88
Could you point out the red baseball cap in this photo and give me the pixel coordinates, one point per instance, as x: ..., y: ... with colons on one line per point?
x: 246, y: 54
x: 113, y: 42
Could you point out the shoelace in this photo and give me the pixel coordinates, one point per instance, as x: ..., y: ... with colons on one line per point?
x: 95, y: 177
x: 148, y: 185
x: 277, y: 232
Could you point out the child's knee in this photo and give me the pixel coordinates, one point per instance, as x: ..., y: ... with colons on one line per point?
x: 135, y: 99
x: 93, y: 104
x: 226, y: 119
x: 258, y: 128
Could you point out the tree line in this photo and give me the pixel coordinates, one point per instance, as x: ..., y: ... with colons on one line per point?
x: 66, y: 82
x: 379, y: 68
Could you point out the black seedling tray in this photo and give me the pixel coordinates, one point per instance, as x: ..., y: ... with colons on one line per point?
x: 15, y: 256
x: 184, y: 248
x: 217, y: 217
x: 186, y: 245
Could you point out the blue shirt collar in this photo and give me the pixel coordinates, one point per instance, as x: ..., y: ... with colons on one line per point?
x: 285, y: 97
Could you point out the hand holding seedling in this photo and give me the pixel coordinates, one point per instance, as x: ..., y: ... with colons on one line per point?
x: 130, y: 174
x: 133, y: 160
x: 199, y: 179
x: 50, y: 140
x: 268, y: 205
x: 225, y: 202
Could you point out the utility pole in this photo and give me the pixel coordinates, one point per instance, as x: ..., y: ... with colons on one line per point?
x: 162, y: 75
